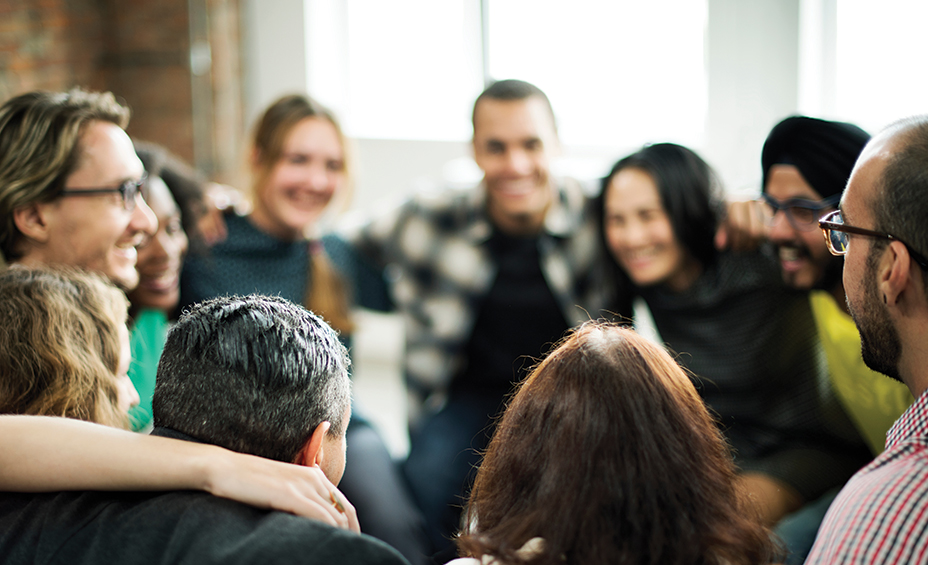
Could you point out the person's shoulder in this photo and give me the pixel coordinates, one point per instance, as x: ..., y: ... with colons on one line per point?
x: 291, y: 538
x: 178, y: 527
x: 269, y: 536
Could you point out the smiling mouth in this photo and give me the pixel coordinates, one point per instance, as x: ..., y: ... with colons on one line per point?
x: 164, y: 282
x: 792, y: 257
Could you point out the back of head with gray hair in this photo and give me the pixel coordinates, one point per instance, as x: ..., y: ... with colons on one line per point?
x: 255, y: 374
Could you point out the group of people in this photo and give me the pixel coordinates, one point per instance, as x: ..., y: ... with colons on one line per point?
x: 751, y: 417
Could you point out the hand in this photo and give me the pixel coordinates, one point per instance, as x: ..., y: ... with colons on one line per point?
x: 745, y: 227
x: 218, y: 199
x: 304, y: 491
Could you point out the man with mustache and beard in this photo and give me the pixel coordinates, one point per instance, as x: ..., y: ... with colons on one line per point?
x: 806, y: 164
x: 881, y: 229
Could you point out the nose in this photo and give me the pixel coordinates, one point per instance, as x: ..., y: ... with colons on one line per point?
x: 518, y: 162
x: 319, y: 178
x: 634, y: 233
x: 143, y: 219
x: 134, y: 398
x: 158, y: 247
x: 781, y: 229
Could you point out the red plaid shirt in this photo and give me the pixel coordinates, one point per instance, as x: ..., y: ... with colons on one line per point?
x: 881, y: 515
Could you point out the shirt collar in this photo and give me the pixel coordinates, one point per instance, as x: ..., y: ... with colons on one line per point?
x: 912, y: 423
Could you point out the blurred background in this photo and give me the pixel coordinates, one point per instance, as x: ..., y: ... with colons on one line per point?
x: 402, y: 75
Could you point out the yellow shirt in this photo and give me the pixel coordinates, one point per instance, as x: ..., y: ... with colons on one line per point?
x: 873, y: 401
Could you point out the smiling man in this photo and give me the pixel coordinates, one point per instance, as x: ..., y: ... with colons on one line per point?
x: 70, y: 186
x: 485, y: 279
x: 806, y: 163
x: 882, y: 232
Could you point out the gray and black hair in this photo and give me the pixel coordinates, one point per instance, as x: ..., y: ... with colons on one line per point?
x: 900, y: 206
x: 254, y: 374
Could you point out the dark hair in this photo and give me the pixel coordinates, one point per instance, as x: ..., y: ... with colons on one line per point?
x: 255, y: 374
x: 901, y: 204
x: 186, y: 184
x: 40, y: 136
x: 690, y: 192
x: 512, y: 89
x: 609, y: 455
x: 824, y: 152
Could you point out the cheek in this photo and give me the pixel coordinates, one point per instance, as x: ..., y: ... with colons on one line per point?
x: 615, y: 239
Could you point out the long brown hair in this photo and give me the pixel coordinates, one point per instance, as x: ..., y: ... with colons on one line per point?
x: 325, y: 291
x: 60, y: 344
x: 608, y: 453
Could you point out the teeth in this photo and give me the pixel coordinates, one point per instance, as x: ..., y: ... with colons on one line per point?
x: 790, y: 254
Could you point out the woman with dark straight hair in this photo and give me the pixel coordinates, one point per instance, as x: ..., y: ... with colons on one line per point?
x: 750, y: 342
x: 607, y: 454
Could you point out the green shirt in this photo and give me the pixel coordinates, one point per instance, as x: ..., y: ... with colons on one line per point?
x: 147, y: 341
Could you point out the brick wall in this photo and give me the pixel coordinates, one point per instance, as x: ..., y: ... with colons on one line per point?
x: 139, y: 50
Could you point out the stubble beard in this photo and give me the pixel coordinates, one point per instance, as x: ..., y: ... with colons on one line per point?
x: 880, y: 346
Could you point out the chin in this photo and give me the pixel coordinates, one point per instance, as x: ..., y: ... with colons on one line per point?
x: 126, y: 281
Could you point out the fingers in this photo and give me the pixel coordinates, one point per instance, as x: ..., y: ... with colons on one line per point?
x: 745, y: 226
x: 304, y: 491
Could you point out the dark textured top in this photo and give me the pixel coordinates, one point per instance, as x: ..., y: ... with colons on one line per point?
x: 251, y: 261
x: 497, y: 352
x: 753, y: 346
x: 182, y: 527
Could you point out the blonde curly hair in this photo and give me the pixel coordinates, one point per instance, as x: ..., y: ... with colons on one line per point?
x: 60, y: 344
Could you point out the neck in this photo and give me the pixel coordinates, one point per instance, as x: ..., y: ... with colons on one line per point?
x: 686, y: 276
x: 913, y: 360
x: 523, y: 225
x: 260, y: 219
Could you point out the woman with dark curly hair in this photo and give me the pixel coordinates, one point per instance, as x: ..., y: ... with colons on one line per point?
x: 607, y: 454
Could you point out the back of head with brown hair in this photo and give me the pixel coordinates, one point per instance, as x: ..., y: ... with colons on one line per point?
x: 608, y: 453
x: 60, y: 344
x: 40, y: 146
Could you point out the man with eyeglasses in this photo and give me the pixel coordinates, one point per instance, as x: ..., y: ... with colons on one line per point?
x: 69, y: 184
x: 882, y: 232
x: 70, y: 193
x: 806, y: 163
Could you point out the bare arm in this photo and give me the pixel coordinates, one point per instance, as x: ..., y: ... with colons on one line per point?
x: 41, y: 454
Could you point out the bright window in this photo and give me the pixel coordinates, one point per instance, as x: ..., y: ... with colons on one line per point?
x: 618, y: 73
x: 881, y: 49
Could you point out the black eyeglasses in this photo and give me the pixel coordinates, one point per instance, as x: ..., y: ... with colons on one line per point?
x: 127, y: 190
x: 836, y: 237
x: 802, y: 214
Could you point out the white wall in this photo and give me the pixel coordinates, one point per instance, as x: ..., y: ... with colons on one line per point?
x: 753, y: 81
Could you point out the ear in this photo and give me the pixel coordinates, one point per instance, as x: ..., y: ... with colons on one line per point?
x: 311, y: 454
x: 255, y: 157
x: 894, y: 272
x: 32, y: 222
